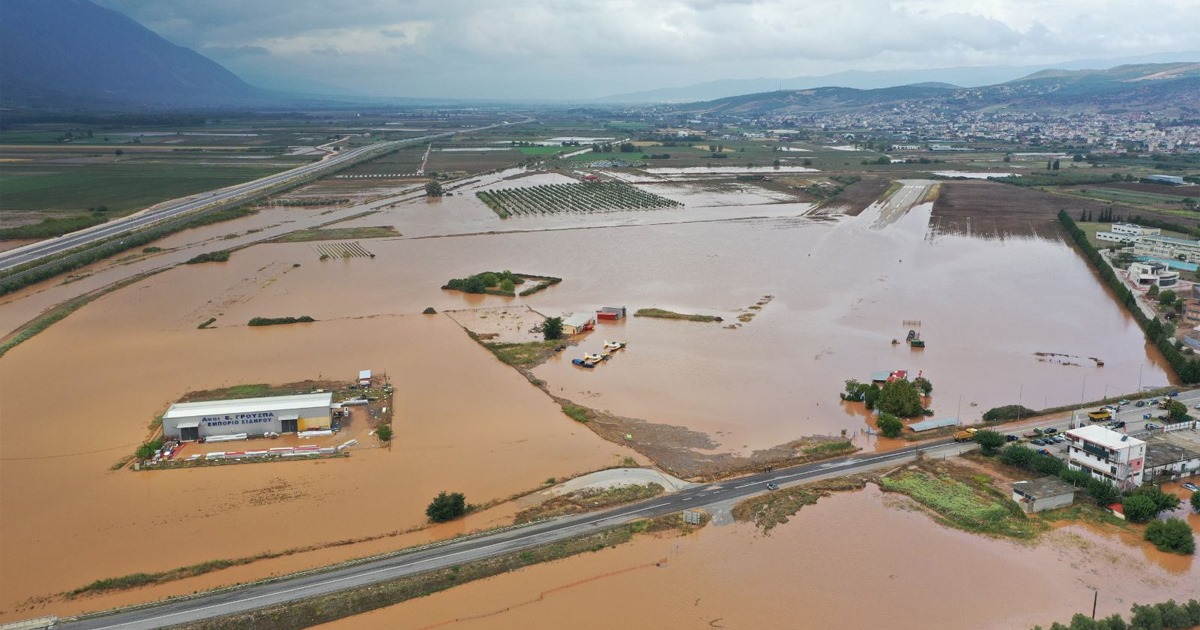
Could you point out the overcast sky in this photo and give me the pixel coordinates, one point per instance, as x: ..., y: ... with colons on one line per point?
x: 569, y: 49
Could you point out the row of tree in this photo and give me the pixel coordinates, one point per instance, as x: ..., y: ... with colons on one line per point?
x: 1164, y: 616
x: 1188, y: 369
x: 896, y: 399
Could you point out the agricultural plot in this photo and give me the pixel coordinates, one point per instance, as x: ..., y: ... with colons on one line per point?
x: 583, y: 198
x: 342, y: 250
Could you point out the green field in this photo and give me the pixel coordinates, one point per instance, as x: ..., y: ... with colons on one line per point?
x: 1130, y: 197
x: 545, y: 150
x: 122, y: 187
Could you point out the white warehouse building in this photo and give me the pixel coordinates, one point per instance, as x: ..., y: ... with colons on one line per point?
x: 252, y: 416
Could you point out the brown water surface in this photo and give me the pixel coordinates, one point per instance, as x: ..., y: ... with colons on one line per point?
x: 849, y: 562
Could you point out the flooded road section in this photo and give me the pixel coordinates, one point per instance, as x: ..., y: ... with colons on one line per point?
x: 841, y: 292
x: 77, y: 398
x: 849, y: 562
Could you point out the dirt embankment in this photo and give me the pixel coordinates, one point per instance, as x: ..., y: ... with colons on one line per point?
x: 857, y: 196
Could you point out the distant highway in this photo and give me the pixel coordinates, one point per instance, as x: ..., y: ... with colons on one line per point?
x: 454, y: 553
x: 54, y: 246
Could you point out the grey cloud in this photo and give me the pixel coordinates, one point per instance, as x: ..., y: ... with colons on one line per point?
x: 572, y: 48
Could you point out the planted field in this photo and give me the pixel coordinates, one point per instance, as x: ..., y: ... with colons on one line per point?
x: 342, y: 250
x: 556, y: 198
x: 333, y: 234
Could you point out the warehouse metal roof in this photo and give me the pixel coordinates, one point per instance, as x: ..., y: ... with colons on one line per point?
x: 249, y: 405
x: 926, y: 425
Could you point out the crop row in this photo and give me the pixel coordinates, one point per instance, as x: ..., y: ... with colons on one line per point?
x: 555, y: 198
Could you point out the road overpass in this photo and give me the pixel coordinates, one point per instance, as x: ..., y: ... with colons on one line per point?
x: 43, y: 250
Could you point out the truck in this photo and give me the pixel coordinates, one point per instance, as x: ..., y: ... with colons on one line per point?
x: 1100, y: 414
x: 965, y: 436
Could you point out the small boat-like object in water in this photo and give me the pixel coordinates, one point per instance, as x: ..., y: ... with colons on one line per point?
x: 614, y: 345
x: 582, y: 363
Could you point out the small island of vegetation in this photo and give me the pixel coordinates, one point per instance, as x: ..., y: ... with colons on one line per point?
x: 665, y: 314
x: 501, y: 283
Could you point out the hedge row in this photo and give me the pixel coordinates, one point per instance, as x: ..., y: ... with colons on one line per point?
x: 1187, y: 369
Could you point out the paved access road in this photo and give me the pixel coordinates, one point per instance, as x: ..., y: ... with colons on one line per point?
x: 457, y: 552
x: 50, y: 247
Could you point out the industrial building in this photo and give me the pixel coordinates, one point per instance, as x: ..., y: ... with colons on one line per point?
x: 250, y: 416
x: 1171, y: 180
x: 1047, y: 493
x: 1108, y: 455
x: 1167, y: 460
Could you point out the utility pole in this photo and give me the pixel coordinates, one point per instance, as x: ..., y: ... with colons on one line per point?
x: 1095, y: 598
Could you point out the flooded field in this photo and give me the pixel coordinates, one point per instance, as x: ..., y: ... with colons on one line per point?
x: 79, y: 396
x: 68, y: 519
x: 906, y: 572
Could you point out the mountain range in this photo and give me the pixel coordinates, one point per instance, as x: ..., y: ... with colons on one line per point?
x: 75, y: 55
x: 72, y: 53
x: 1171, y: 89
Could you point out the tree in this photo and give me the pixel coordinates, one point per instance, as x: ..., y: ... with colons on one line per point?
x: 808, y: 162
x: 883, y: 159
x: 119, y: 152
x: 900, y: 398
x: 1166, y: 298
x: 474, y: 284
x: 384, y: 432
x: 1081, y: 621
x: 1103, y: 492
x: 989, y: 441
x: 507, y: 285
x: 1152, y: 292
x: 1078, y: 157
x: 1139, y: 508
x: 433, y: 189
x: 1163, y: 501
x: 1177, y: 411
x: 775, y: 163
x: 552, y: 328
x: 1172, y: 535
x: 1017, y: 455
x: 1056, y: 165
x: 446, y: 507
x: 1195, y: 501
x: 889, y: 425
x: 924, y: 385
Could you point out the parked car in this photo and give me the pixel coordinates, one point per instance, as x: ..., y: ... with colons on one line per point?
x: 1119, y: 424
x: 1038, y: 441
x: 1150, y: 426
x: 1173, y: 394
x: 1145, y: 416
x: 772, y: 486
x: 1050, y: 431
x: 1191, y: 486
x: 1123, y: 402
x: 1152, y: 401
x: 1011, y: 438
x: 1060, y: 438
x: 1140, y: 403
x: 1043, y: 451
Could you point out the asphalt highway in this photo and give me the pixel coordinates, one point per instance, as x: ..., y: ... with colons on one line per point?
x: 51, y: 247
x: 461, y: 551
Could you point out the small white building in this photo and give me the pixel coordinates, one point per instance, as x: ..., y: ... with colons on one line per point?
x: 1147, y: 274
x: 364, y: 378
x: 1108, y: 455
x: 1126, y: 233
x: 579, y: 323
x: 1047, y: 493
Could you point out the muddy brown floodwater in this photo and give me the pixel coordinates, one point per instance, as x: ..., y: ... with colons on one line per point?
x: 860, y: 560
x: 79, y: 396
